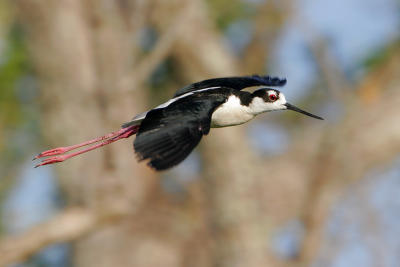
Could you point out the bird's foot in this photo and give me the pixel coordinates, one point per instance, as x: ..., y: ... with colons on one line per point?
x: 52, y: 160
x: 52, y: 152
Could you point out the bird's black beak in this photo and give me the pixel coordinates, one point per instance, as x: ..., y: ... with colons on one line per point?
x: 294, y: 108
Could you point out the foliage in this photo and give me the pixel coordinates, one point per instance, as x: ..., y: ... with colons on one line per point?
x: 381, y: 56
x: 13, y: 65
x: 225, y: 12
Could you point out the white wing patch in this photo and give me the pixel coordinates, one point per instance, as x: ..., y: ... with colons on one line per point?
x: 140, y: 117
x: 166, y: 104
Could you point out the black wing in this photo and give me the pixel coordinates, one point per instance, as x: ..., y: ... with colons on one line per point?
x: 237, y: 83
x: 168, y: 135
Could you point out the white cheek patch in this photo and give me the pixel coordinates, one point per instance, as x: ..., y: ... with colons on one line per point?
x: 272, y: 93
x: 259, y: 105
x: 280, y: 103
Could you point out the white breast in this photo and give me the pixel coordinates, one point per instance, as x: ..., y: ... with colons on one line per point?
x: 231, y: 113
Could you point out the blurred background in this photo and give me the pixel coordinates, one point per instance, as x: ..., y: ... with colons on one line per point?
x: 282, y: 190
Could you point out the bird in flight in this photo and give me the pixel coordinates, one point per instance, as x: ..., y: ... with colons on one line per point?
x: 166, y: 134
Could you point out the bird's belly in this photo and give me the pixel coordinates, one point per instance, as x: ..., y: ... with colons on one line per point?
x: 228, y: 115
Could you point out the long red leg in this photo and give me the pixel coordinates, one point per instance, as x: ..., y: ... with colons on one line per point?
x: 62, y: 150
x: 107, y: 139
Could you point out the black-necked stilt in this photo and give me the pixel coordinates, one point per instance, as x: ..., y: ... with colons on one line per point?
x: 168, y: 133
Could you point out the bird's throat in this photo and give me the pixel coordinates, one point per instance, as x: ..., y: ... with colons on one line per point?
x: 232, y: 112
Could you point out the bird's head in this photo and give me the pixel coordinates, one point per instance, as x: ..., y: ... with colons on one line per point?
x: 267, y: 99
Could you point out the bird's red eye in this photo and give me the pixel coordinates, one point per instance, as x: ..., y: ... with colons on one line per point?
x: 273, y: 97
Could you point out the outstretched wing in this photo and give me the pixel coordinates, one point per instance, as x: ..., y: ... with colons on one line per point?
x: 237, y: 83
x: 167, y: 135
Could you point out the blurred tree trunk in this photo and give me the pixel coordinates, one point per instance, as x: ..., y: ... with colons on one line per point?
x: 82, y: 50
x: 232, y: 171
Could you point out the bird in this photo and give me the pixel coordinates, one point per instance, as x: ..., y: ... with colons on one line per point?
x: 168, y: 133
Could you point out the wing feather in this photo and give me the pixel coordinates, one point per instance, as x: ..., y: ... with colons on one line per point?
x: 168, y: 135
x: 237, y: 83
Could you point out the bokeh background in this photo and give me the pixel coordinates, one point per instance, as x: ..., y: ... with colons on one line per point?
x: 283, y: 190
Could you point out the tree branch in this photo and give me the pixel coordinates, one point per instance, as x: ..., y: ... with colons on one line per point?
x: 69, y: 225
x: 161, y: 50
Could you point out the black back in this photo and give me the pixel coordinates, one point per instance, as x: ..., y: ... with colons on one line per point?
x: 236, y: 83
x: 168, y: 135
